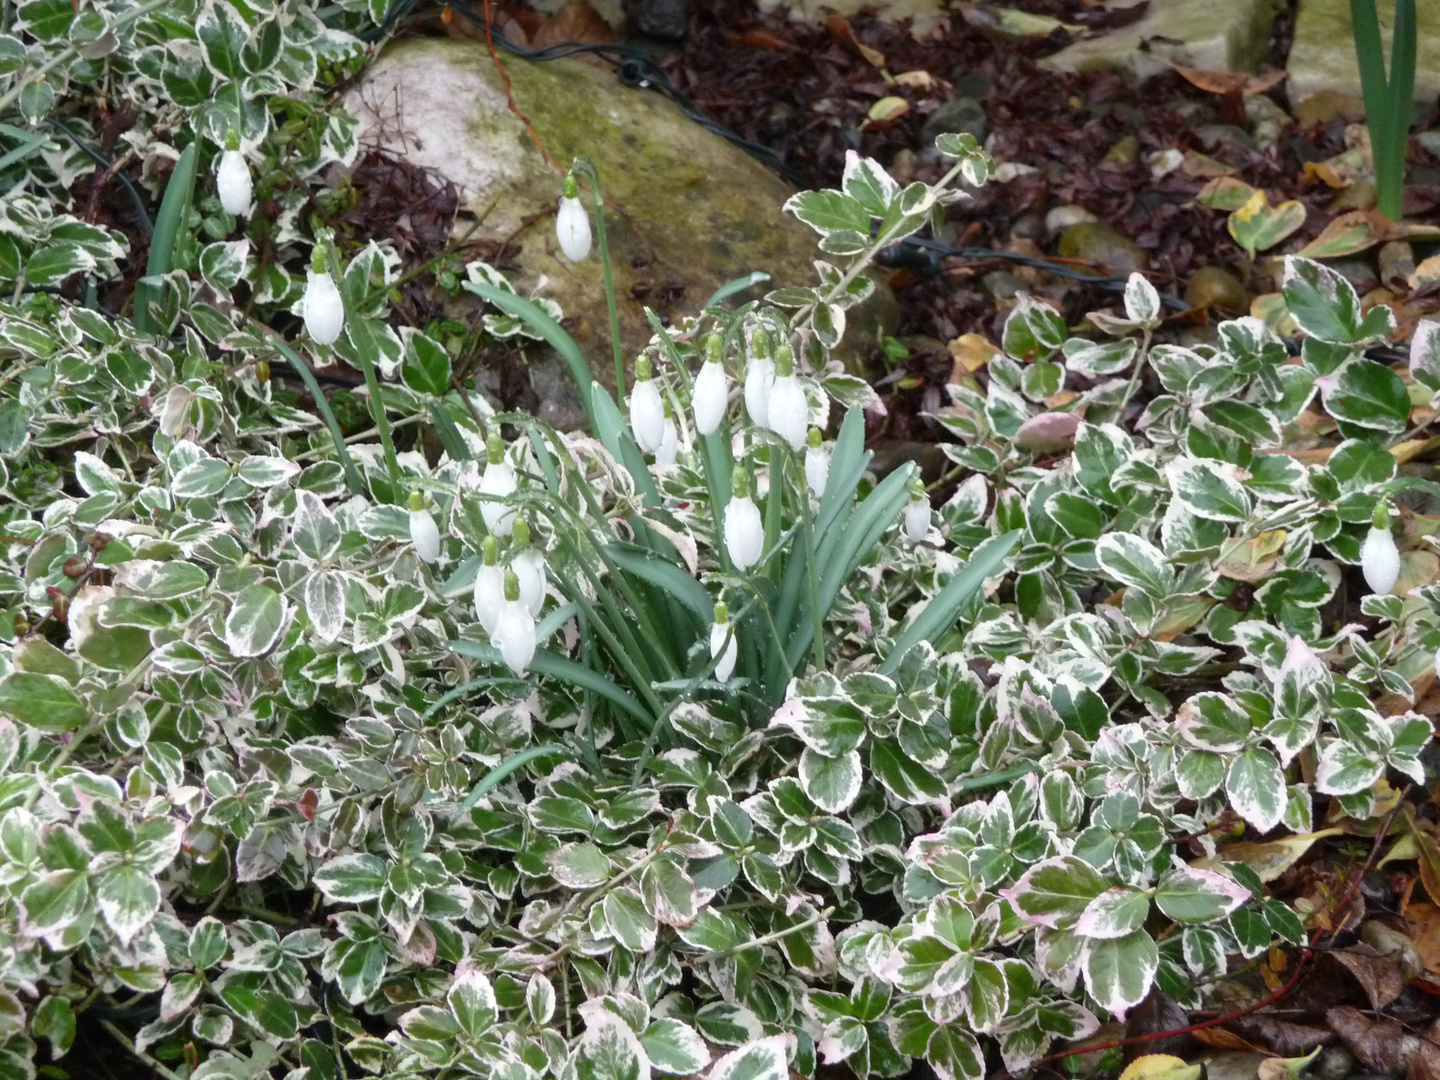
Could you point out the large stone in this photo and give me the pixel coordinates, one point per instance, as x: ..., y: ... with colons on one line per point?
x: 1324, y: 74
x: 1212, y: 35
x: 686, y: 211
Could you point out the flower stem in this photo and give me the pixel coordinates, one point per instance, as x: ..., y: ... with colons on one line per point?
x: 592, y: 178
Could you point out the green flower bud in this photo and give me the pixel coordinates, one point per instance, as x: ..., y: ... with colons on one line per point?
x: 570, y: 188
x: 512, y: 586
x: 814, y: 439
x: 494, y: 449
x: 417, y: 501
x: 490, y: 550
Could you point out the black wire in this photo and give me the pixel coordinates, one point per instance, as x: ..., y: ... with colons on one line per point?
x: 98, y: 158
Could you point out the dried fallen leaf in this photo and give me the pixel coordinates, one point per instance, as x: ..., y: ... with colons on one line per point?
x: 1225, y: 193
x: 917, y: 80
x: 971, y: 352
x: 1271, y: 859
x: 1256, y: 558
x: 1160, y: 1067
x: 841, y: 28
x: 885, y: 111
x: 1361, y: 229
x: 1378, y: 976
x: 1232, y: 82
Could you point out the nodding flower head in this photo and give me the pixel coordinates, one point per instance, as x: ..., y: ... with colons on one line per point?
x: 817, y: 464
x: 711, y: 389
x: 572, y: 223
x: 789, y: 412
x: 1379, y: 556
x: 647, y: 413
x: 324, y: 310
x: 232, y: 178
x: 917, y: 513
x: 514, y: 633
x: 498, y: 481
x: 424, y: 533
x: 744, y: 533
x: 759, y: 378
x: 489, y: 584
x: 722, y: 643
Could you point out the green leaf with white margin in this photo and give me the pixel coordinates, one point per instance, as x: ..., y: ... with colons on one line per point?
x: 608, y: 1050
x: 1213, y: 721
x: 222, y: 264
x: 829, y: 211
x: 324, y: 596
x: 267, y: 470
x: 1120, y: 971
x: 1114, y: 913
x: 351, y: 879
x: 200, y: 479
x: 628, y: 921
x: 53, y: 902
x: 578, y: 866
x: 44, y: 702
x: 905, y: 778
x: 472, y: 1002
x: 831, y: 783
x: 1206, y: 490
x: 1056, y: 892
x: 1135, y: 562
x: 128, y: 898
x: 208, y: 942
x: 1367, y: 394
x: 1033, y: 329
x: 954, y: 1054
x: 829, y: 725
x: 1256, y: 787
x: 669, y: 893
x: 1347, y: 769
x: 540, y: 999
x: 763, y: 1059
x: 1142, y: 302
x: 674, y: 1047
x: 1199, y: 773
x: 256, y: 621
x: 1325, y: 305
x: 313, y: 528
x: 1192, y: 895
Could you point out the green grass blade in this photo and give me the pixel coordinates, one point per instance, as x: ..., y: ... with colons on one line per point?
x: 491, y: 780
x: 610, y: 426
x: 1401, y: 91
x: 535, y: 317
x: 665, y: 576
x: 353, y: 479
x: 567, y: 670
x: 945, y: 607
x: 25, y: 149
x: 449, y: 433
x: 179, y: 192
x: 460, y: 691
x: 739, y: 285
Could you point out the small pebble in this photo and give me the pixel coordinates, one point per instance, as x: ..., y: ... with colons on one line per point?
x: 1334, y: 1063
x: 1061, y: 218
x: 1212, y: 286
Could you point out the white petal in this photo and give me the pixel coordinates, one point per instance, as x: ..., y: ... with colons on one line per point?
x: 572, y: 229
x: 647, y: 416
x: 498, y: 480
x: 489, y: 595
x: 789, y: 412
x: 718, y: 633
x: 817, y: 470
x: 514, y: 636
x: 1380, y: 560
x: 669, y: 448
x: 324, y: 310
x: 709, y: 398
x: 744, y: 534
x: 529, y: 567
x: 232, y: 183
x: 917, y: 520
x: 759, y: 378
x: 425, y: 535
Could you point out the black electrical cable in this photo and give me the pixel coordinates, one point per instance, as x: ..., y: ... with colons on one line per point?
x: 95, y: 156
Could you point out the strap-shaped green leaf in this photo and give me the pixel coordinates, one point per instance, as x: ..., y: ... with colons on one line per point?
x: 178, y: 194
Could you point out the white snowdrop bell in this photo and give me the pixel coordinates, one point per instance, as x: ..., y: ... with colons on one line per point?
x: 1380, y: 560
x: 647, y: 411
x: 232, y: 183
x: 514, y: 633
x: 572, y: 223
x: 324, y: 309
x: 497, y: 480
x: 789, y: 412
x: 917, y: 517
x: 817, y: 465
x: 424, y: 533
x: 529, y: 566
x: 489, y: 585
x: 744, y: 532
x: 720, y: 631
x: 711, y: 389
x: 669, y: 448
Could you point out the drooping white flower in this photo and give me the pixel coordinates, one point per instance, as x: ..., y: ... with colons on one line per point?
x: 529, y: 567
x: 232, y: 179
x: 722, y: 643
x: 788, y: 411
x: 424, y: 533
x: 711, y: 389
x: 489, y: 585
x: 759, y: 378
x: 572, y: 223
x: 817, y: 464
x: 1380, y: 560
x: 324, y: 309
x: 647, y: 411
x: 514, y: 633
x: 669, y: 448
x: 498, y: 480
x: 917, y: 514
x: 744, y: 533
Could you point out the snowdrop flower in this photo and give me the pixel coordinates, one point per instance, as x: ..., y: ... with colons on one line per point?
x: 497, y: 480
x: 711, y: 389
x: 917, y: 513
x: 489, y: 585
x: 514, y: 633
x: 744, y: 534
x: 324, y: 310
x: 529, y: 568
x: 572, y: 223
x: 647, y: 413
x: 424, y: 534
x: 789, y: 412
x: 232, y: 178
x: 759, y: 378
x: 722, y: 637
x: 817, y: 464
x: 669, y: 448
x: 1379, y: 557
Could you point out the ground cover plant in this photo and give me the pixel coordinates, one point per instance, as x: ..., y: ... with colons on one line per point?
x: 684, y: 744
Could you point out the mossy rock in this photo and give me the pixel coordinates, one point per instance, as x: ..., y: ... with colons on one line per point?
x: 687, y: 211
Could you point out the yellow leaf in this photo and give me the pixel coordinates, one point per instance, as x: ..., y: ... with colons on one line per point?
x: 1270, y: 859
x: 1160, y: 1067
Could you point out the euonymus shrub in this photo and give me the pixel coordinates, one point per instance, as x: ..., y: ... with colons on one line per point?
x: 276, y: 797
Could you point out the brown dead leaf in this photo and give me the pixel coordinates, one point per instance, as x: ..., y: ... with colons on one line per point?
x: 1269, y: 860
x: 1424, y: 922
x: 1204, y: 167
x: 1377, y: 1043
x: 917, y: 80
x: 576, y: 21
x: 1222, y: 1039
x: 1232, y: 82
x: 840, y: 27
x: 1321, y: 171
x: 1379, y: 977
x: 1281, y: 1037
